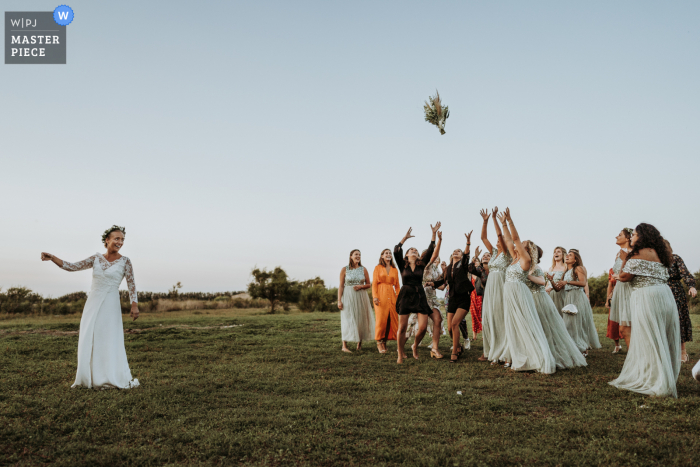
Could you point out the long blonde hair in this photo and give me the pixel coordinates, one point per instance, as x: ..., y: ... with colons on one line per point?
x: 563, y: 257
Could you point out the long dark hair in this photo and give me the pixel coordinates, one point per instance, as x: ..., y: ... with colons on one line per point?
x: 649, y: 236
x: 381, y: 259
x: 359, y: 263
x: 579, y: 262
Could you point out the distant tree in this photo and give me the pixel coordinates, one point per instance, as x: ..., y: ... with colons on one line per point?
x: 175, y: 291
x: 274, y: 286
x: 314, y: 296
x: 598, y: 289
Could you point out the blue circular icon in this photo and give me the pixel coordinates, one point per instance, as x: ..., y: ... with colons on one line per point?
x: 63, y: 15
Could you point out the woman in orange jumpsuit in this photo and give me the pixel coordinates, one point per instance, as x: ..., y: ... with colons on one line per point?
x: 385, y: 289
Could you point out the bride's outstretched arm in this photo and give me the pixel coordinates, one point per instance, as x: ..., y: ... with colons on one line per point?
x: 79, y: 266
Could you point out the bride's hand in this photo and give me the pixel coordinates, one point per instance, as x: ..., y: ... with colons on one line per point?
x: 134, y: 311
x: 436, y: 228
x: 46, y: 256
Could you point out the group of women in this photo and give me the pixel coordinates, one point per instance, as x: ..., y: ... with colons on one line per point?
x: 531, y: 319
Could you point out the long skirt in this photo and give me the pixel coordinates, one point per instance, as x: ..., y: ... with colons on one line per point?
x: 580, y: 326
x: 558, y: 298
x: 102, y: 359
x: 613, y: 331
x: 620, y: 310
x: 527, y: 343
x: 565, y: 352
x: 387, y: 320
x: 356, y: 318
x: 653, y: 361
x: 477, y: 303
x: 493, y: 320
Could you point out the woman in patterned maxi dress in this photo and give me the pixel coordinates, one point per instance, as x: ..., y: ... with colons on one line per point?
x: 556, y: 273
x: 102, y: 361
x: 356, y: 316
x: 676, y: 272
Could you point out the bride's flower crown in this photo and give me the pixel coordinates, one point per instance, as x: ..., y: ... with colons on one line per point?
x: 112, y: 229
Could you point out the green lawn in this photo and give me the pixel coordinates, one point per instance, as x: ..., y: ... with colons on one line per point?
x: 278, y: 391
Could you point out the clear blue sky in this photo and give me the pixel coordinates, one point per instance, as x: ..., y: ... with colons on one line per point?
x: 226, y: 135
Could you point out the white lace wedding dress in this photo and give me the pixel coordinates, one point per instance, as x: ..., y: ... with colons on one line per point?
x: 102, y: 359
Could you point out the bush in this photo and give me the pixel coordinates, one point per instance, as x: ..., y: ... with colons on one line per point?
x: 318, y: 298
x: 598, y: 290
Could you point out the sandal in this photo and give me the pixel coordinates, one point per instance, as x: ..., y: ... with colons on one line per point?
x: 617, y: 349
x: 454, y: 358
x: 434, y: 354
x: 684, y: 358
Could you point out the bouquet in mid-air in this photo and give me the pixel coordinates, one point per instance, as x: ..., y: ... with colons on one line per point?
x: 435, y: 112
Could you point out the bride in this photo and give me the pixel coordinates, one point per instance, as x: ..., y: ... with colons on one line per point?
x: 101, y: 354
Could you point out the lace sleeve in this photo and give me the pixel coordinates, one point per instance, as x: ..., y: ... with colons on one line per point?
x: 80, y: 265
x: 130, y: 283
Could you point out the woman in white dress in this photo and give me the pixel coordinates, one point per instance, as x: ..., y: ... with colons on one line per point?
x: 555, y: 274
x: 492, y: 318
x: 562, y: 346
x: 527, y: 342
x: 356, y: 315
x: 580, y: 325
x: 653, y: 358
x: 102, y: 359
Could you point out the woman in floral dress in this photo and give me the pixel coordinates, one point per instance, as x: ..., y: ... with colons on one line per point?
x: 676, y: 272
x: 356, y: 316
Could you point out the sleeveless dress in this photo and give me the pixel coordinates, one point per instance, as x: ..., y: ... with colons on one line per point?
x: 558, y: 297
x: 527, y: 342
x: 356, y: 317
x: 492, y: 319
x: 653, y: 359
x: 580, y: 326
x: 565, y: 352
x: 102, y: 359
x: 432, y: 274
x: 620, y: 302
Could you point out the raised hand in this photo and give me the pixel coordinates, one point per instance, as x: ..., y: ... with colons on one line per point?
x: 494, y: 211
x: 439, y: 234
x: 436, y: 228
x: 469, y: 237
x: 501, y: 217
x: 46, y: 256
x: 407, y: 236
x: 508, y: 215
x: 477, y: 252
x: 485, y: 215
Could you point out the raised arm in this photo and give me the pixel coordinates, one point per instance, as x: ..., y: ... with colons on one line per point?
x: 507, y: 239
x: 428, y: 255
x: 79, y: 266
x: 398, y: 250
x: 525, y: 260
x: 484, y: 230
x: 500, y: 243
x: 436, y: 253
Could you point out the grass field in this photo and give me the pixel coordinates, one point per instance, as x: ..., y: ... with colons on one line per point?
x: 276, y: 390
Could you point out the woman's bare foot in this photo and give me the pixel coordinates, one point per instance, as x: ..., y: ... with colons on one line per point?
x: 345, y: 349
x: 483, y: 358
x: 359, y: 345
x: 415, y: 351
x: 401, y: 357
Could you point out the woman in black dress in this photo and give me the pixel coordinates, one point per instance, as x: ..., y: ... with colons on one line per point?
x: 676, y: 272
x: 412, y: 297
x: 461, y: 287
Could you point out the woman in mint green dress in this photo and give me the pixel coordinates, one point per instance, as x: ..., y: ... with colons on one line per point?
x: 492, y: 318
x: 653, y: 359
x: 580, y: 325
x: 555, y: 274
x: 527, y: 342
